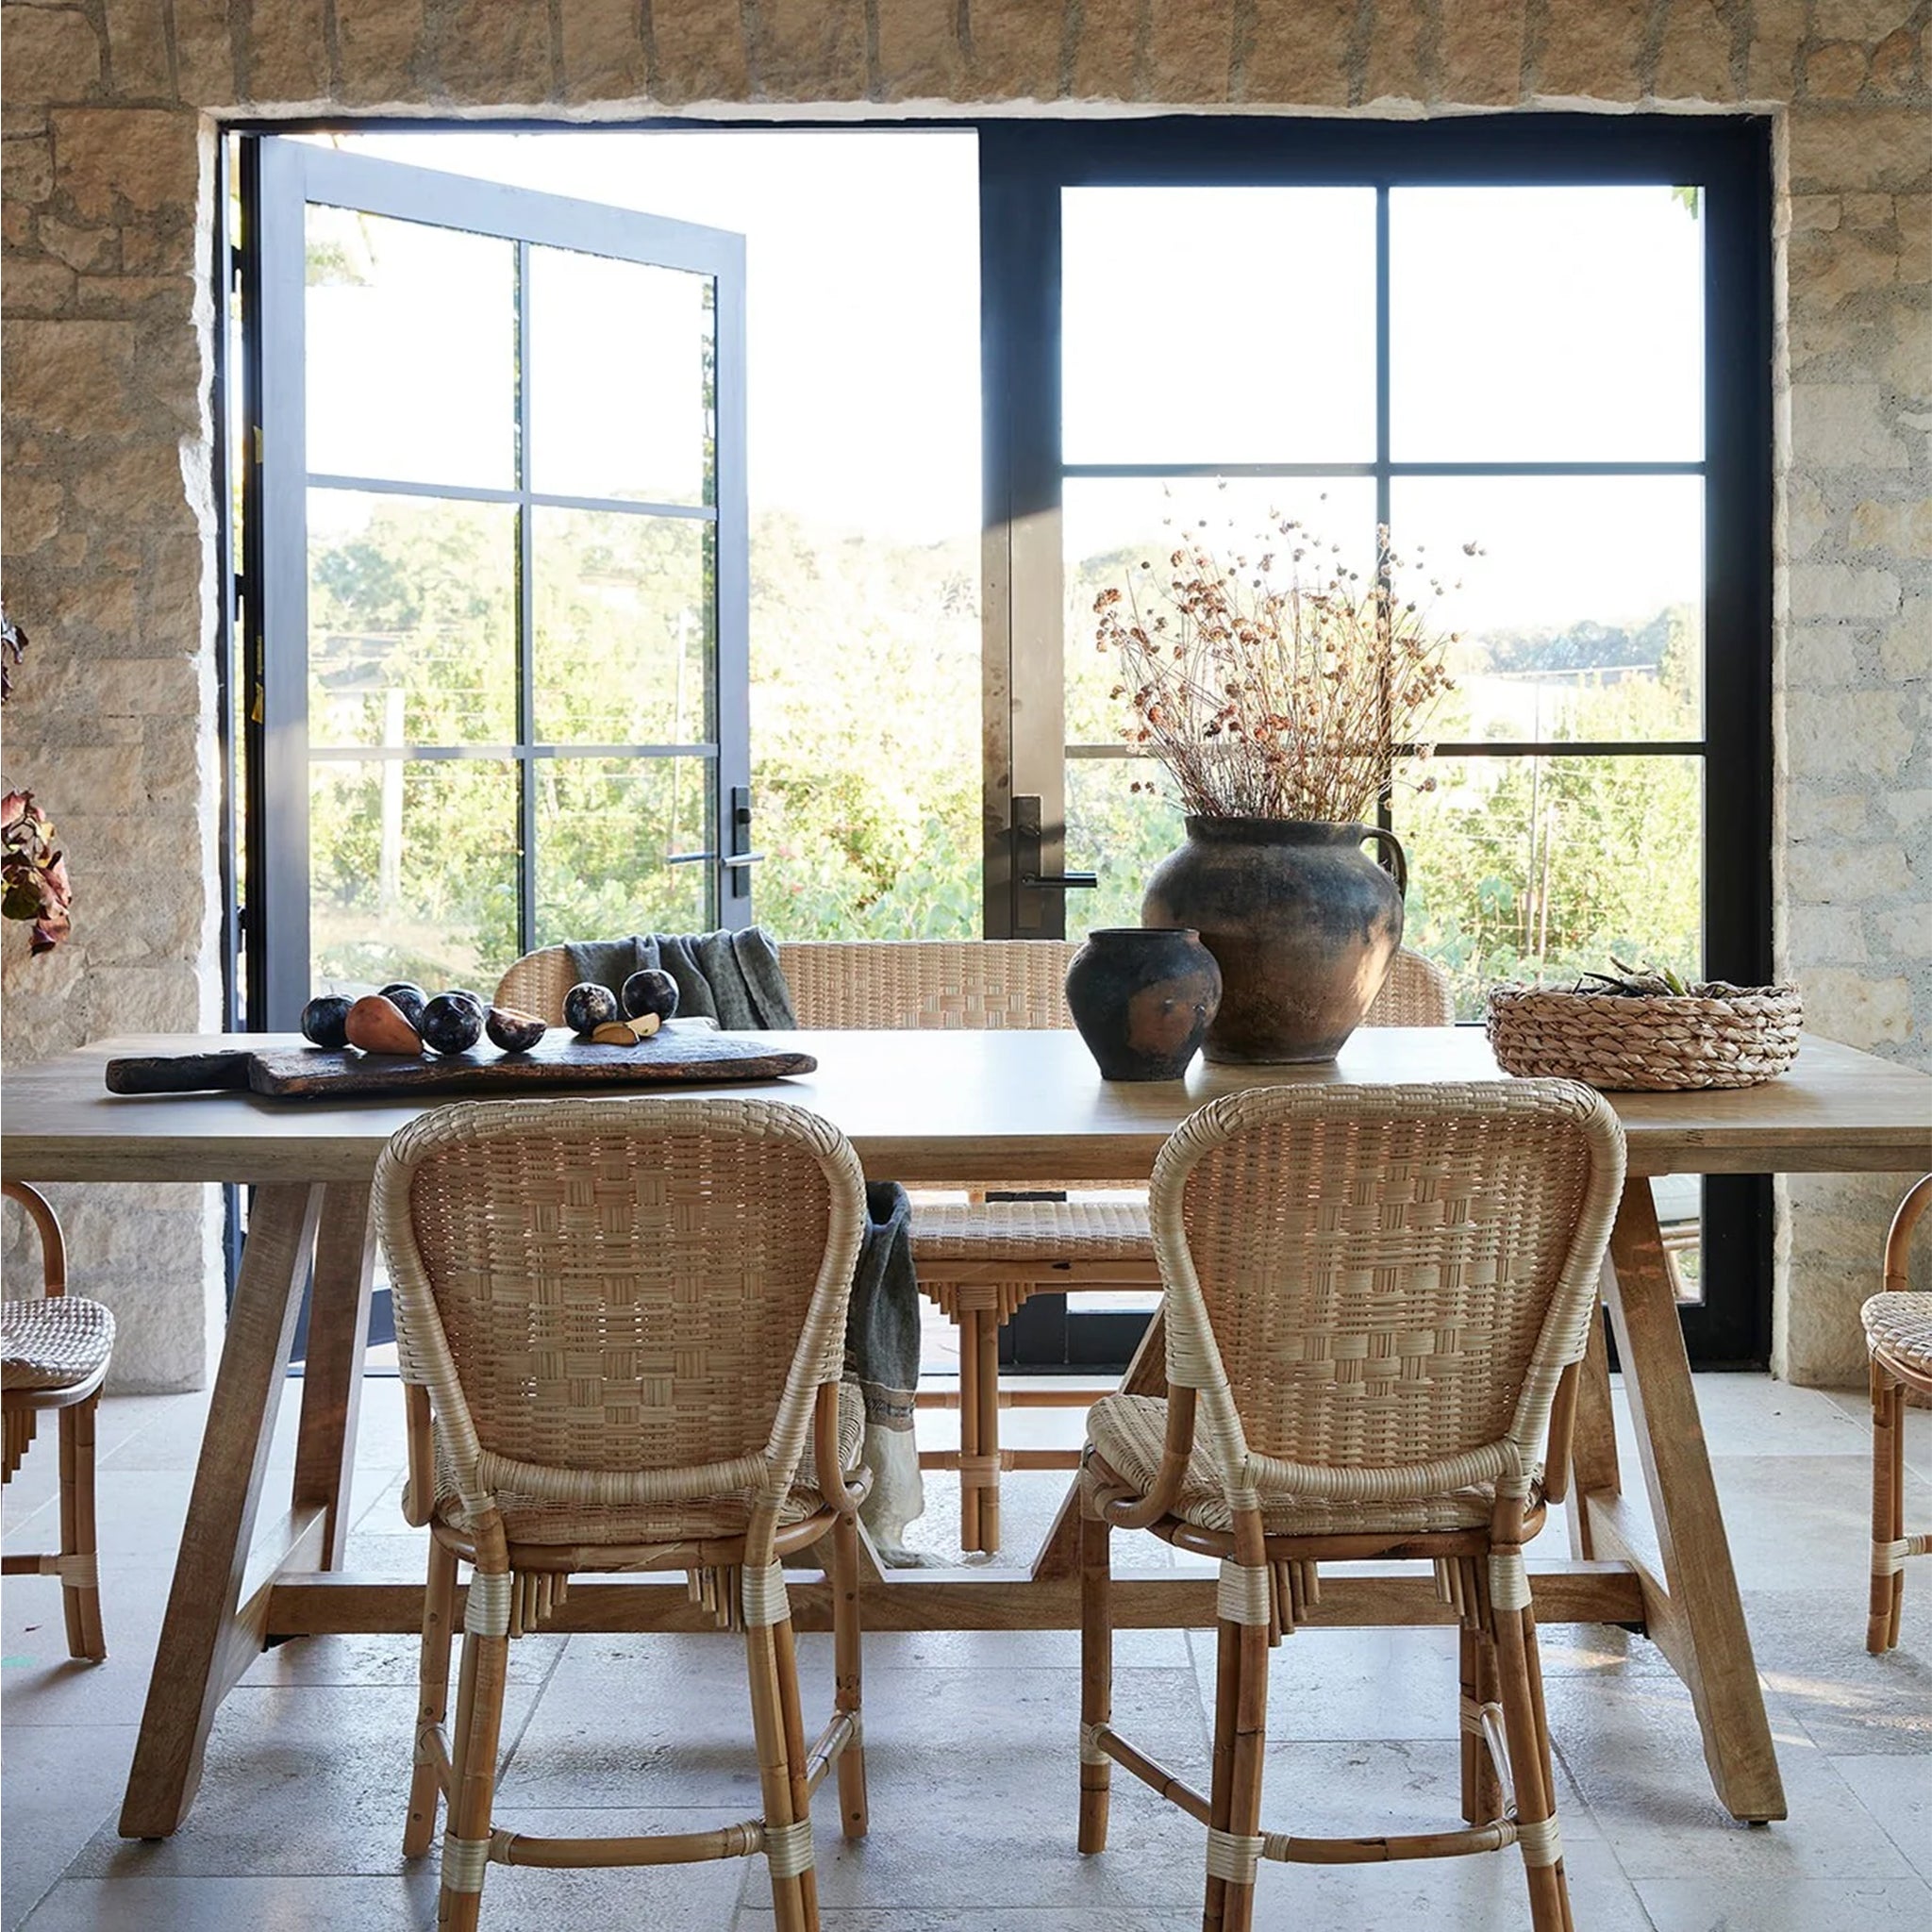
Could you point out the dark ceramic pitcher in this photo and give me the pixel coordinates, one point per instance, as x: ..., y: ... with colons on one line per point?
x: 1142, y: 1000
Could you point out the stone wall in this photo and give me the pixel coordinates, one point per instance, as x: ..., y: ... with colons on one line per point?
x: 110, y: 112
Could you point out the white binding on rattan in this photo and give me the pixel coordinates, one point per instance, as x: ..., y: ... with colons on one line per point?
x: 463, y: 1863
x: 1508, y: 1581
x: 1090, y: 1736
x: 762, y: 1594
x: 1887, y: 1559
x: 1233, y: 1857
x: 486, y: 1610
x: 1241, y: 1594
x: 1195, y: 1358
x: 78, y: 1570
x: 1541, y: 1842
x: 788, y: 1848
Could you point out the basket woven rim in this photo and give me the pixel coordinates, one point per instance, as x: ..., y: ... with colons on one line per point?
x: 1645, y: 1002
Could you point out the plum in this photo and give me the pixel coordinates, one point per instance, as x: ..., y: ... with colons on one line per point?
x: 407, y: 997
x: 325, y: 1019
x: 463, y: 993
x: 588, y: 1006
x: 514, y: 1031
x: 650, y: 991
x: 451, y: 1023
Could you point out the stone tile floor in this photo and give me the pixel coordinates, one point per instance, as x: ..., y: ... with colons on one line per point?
x: 970, y: 1740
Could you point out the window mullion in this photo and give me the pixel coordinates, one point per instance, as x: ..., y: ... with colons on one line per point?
x: 526, y: 626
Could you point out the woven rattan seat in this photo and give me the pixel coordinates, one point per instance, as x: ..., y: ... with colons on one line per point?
x: 1898, y: 1334
x: 54, y: 1354
x: 622, y: 1323
x: 55, y: 1343
x: 1899, y: 1327
x: 1371, y: 1297
x: 1128, y: 1433
x: 1050, y: 1231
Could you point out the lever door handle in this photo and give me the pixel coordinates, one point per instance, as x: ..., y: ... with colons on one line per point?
x: 1065, y: 881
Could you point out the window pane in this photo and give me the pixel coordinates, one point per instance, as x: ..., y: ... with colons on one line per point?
x: 624, y: 379
x: 1524, y: 868
x: 625, y: 617
x: 412, y: 870
x: 1120, y: 833
x: 411, y: 351
x: 1218, y: 324
x: 411, y: 620
x: 605, y: 828
x: 1583, y: 617
x: 1560, y: 324
x: 1112, y: 524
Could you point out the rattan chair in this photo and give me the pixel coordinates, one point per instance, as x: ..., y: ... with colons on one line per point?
x: 1898, y: 1333
x: 623, y: 1322
x: 54, y: 1354
x: 981, y: 1261
x: 1373, y: 1294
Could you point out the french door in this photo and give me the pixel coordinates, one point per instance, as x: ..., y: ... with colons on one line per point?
x: 495, y: 574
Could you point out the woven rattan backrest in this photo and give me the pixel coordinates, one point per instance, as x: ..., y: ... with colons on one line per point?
x: 905, y: 984
x: 1385, y: 1276
x: 1415, y: 994
x: 624, y: 1289
x: 537, y: 984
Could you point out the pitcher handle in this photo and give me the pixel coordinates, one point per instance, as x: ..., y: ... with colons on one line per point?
x: 1396, y: 851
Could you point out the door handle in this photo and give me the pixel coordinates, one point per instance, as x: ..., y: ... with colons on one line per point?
x: 1026, y: 841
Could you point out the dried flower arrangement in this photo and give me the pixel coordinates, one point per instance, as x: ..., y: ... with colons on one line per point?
x: 1275, y: 683
x: 33, y: 871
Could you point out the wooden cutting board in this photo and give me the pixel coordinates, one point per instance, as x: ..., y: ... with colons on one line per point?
x: 671, y: 1058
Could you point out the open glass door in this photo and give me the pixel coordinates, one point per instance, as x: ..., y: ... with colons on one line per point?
x: 496, y: 534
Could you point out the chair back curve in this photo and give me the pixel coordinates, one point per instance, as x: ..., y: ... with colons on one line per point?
x: 1377, y: 1287
x: 620, y: 1302
x: 1414, y: 993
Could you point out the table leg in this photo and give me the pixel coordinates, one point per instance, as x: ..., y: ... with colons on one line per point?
x: 208, y: 1635
x: 1594, y: 1440
x: 332, y: 1376
x: 1692, y: 1609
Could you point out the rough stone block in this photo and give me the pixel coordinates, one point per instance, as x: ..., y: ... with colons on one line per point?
x: 138, y: 50
x: 287, y: 53
x: 149, y: 158
x: 1838, y: 147
x: 1015, y: 52
x: 1777, y: 29
x: 1810, y: 813
x: 698, y: 54
x: 1858, y: 20
x: 920, y: 56
x: 487, y: 54
x: 1842, y: 592
x: 53, y: 53
x: 140, y: 485
x: 30, y: 513
x: 1105, y: 62
x: 1822, y: 657
x: 1908, y: 810
x: 1902, y: 527
x: 38, y: 288
x: 378, y: 44
x: 1913, y: 214
x: 177, y: 576
x: 1862, y: 731
x: 1694, y: 58
x: 1905, y: 932
x: 1828, y: 265
x: 603, y: 51
x: 1895, y: 63
x: 92, y: 251
x: 205, y: 53
x: 808, y: 50
x: 1590, y: 51
x: 1834, y: 73
x: 1300, y: 54
x: 1815, y: 211
x: 26, y: 168
x: 1857, y: 1007
x: 1822, y: 935
x: 1843, y: 426
x: 1904, y: 652
x: 1390, y: 68
x: 1481, y: 55
x: 70, y: 378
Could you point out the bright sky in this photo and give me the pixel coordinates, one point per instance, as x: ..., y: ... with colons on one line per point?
x: 1210, y: 325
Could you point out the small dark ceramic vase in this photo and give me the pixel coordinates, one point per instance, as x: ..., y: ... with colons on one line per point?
x: 1143, y: 998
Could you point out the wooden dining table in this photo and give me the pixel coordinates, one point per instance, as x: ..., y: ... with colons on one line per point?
x: 924, y: 1108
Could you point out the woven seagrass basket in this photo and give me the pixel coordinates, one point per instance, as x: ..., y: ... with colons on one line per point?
x: 1654, y: 1044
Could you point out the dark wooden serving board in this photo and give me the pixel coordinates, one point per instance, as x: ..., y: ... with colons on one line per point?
x: 558, y: 1060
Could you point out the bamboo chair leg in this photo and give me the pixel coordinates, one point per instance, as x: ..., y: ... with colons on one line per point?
x: 472, y: 1784
x: 1482, y: 1794
x: 854, y: 1812
x: 1096, y: 1670
x: 988, y: 1391
x: 1530, y: 1767
x: 439, y: 1616
x: 968, y: 1428
x: 1227, y: 1675
x: 791, y: 1713
x: 1244, y: 1787
x: 788, y: 1908
x: 80, y: 1603
x: 1888, y: 1508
